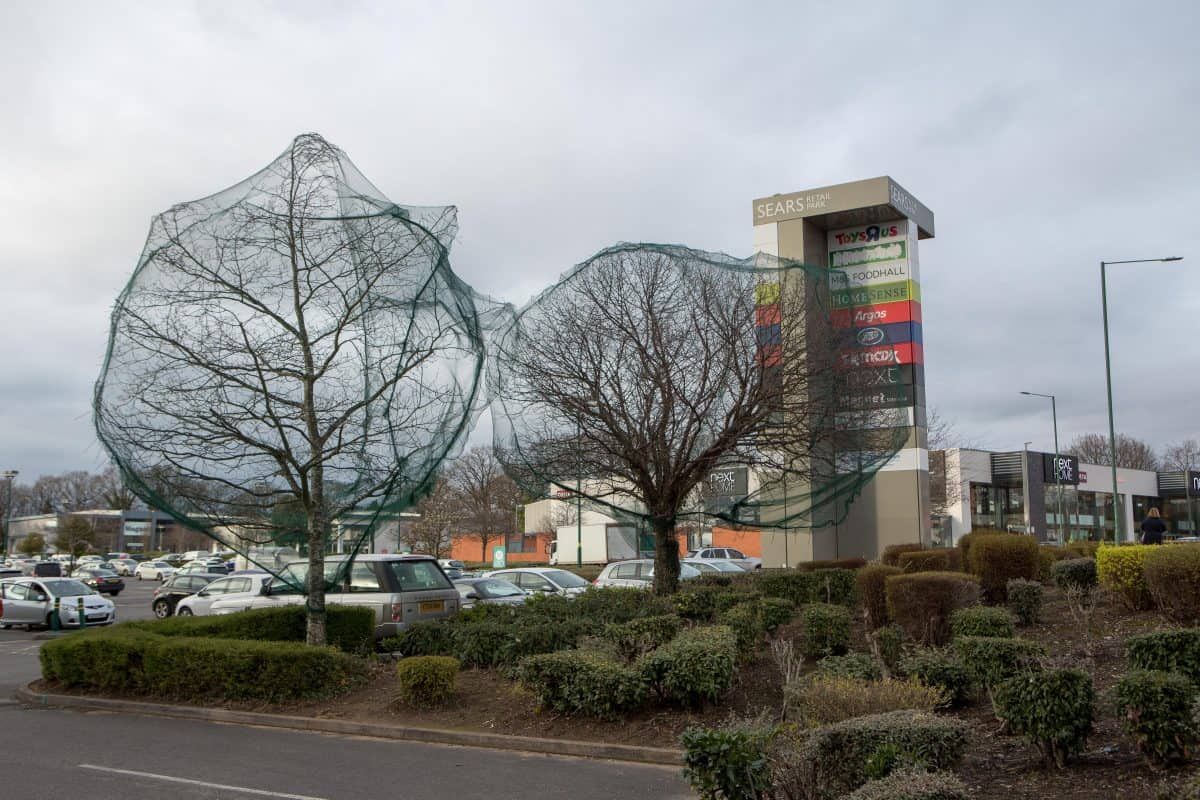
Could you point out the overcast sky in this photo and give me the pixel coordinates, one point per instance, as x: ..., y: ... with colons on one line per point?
x: 1044, y: 141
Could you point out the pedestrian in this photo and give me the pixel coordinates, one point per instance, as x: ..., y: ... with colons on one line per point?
x: 1153, y: 528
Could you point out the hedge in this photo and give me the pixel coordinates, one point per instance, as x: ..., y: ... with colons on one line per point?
x: 1122, y: 570
x: 348, y: 628
x: 639, y: 636
x: 746, y: 622
x: 872, y: 591
x: 982, y: 621
x: 696, y: 666
x: 1156, y: 713
x: 1078, y: 573
x: 921, y: 603
x: 1169, y: 651
x: 913, y: 784
x: 582, y: 682
x: 991, y: 660
x: 819, y: 586
x: 891, y: 554
x: 1025, y: 600
x: 943, y: 559
x: 727, y: 763
x: 834, y: 563
x: 426, y: 680
x: 826, y: 630
x: 851, y: 665
x: 941, y: 670
x: 776, y: 612
x: 998, y: 558
x: 1173, y: 580
x: 1053, y: 710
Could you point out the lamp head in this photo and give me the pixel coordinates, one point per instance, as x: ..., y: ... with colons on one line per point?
x: 1173, y: 258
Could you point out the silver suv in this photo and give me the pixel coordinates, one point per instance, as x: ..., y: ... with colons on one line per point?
x: 401, y: 589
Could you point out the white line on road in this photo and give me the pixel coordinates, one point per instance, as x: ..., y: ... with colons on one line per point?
x: 191, y: 782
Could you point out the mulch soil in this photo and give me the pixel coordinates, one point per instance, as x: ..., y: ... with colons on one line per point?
x: 996, y: 767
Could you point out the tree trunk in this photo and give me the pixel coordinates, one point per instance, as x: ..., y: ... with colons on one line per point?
x: 314, y: 633
x: 666, y: 556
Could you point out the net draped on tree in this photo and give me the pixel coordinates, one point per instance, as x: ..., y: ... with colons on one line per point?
x: 648, y: 368
x: 288, y: 351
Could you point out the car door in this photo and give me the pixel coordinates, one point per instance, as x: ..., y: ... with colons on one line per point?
x: 532, y: 582
x: 201, y: 604
x: 16, y: 605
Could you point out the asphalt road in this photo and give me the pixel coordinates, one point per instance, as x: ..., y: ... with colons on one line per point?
x: 51, y: 754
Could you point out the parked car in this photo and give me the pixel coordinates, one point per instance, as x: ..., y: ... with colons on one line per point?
x: 176, y: 588
x: 243, y: 588
x: 712, y: 565
x: 88, y: 560
x: 115, y: 556
x: 154, y: 571
x: 726, y: 554
x: 196, y: 555
x: 637, y: 574
x: 104, y: 581
x: 219, y: 565
x: 43, y: 569
x: 30, y: 601
x: 10, y: 572
x: 543, y: 580
x: 401, y: 589
x: 491, y: 591
x: 452, y: 563
x: 173, y: 559
x: 124, y: 566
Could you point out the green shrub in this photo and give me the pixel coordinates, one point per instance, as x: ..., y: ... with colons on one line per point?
x: 834, y: 563
x: 639, y: 636
x: 776, y: 611
x: 837, y: 759
x: 699, y: 603
x: 964, y: 545
x: 1167, y: 651
x: 1082, y: 549
x: 982, y: 621
x: 426, y: 680
x: 1122, y: 570
x: 891, y: 554
x: 851, y: 665
x: 819, y: 586
x: 1156, y: 712
x: 582, y: 682
x: 1075, y: 572
x: 890, y: 643
x: 109, y: 660
x: 1173, y: 580
x: 921, y: 603
x: 1048, y: 556
x: 421, y: 639
x: 1052, y: 709
x: 939, y: 560
x: 990, y: 661
x: 826, y: 630
x: 497, y: 643
x: 1025, y: 600
x: 604, y: 605
x: 696, y: 666
x: 727, y: 763
x: 348, y: 628
x: 941, y: 670
x: 823, y: 699
x: 872, y: 591
x: 746, y: 622
x: 718, y: 579
x: 998, y: 558
x: 913, y: 784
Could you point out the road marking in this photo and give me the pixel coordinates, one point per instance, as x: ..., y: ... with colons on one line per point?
x: 190, y: 782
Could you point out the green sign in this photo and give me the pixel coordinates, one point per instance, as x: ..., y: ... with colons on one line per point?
x: 499, y: 558
x: 852, y: 257
x: 878, y: 293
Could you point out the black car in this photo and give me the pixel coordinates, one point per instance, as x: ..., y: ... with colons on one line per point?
x: 104, y: 581
x: 177, y: 587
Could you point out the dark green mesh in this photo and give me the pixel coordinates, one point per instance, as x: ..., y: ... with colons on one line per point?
x: 649, y: 367
x: 301, y: 289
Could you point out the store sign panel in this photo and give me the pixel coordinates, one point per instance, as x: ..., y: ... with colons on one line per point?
x: 875, y: 377
x: 907, y: 353
x: 896, y: 333
x: 853, y: 277
x: 881, y: 314
x: 895, y: 292
x: 1060, y: 469
x: 1193, y: 483
x: 887, y: 397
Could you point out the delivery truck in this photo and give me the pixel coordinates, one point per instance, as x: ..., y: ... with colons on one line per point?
x: 601, y: 543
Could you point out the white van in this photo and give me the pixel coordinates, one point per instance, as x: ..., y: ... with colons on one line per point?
x: 192, y: 555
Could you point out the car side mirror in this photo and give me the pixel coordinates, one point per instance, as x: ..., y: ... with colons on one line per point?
x: 471, y: 596
x: 265, y: 589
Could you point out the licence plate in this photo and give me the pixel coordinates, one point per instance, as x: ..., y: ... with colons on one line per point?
x: 96, y: 617
x: 429, y: 606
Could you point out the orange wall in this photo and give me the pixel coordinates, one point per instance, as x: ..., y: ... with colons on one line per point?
x: 749, y: 542
x: 468, y: 549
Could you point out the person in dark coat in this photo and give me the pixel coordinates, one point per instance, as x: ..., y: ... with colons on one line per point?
x: 1153, y: 528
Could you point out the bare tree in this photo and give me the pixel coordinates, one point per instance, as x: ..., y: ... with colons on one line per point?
x: 1132, y: 453
x: 110, y: 489
x: 440, y: 514
x: 649, y: 366
x: 297, y: 340
x: 488, y: 498
x: 1182, y: 456
x: 945, y: 491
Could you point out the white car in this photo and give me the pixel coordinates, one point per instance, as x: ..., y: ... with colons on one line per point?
x: 726, y: 554
x: 153, y: 571
x: 713, y: 565
x: 638, y: 574
x: 124, y: 566
x: 543, y: 580
x: 239, y: 590
x: 30, y: 601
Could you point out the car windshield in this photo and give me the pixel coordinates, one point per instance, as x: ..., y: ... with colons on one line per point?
x: 567, y: 580
x: 415, y: 576
x: 703, y: 567
x: 69, y: 589
x: 496, y: 588
x: 725, y: 566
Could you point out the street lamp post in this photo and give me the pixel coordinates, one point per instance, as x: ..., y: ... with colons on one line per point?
x: 1062, y: 520
x: 1118, y: 533
x: 7, y: 475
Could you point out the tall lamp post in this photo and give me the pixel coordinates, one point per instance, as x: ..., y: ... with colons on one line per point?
x: 7, y: 476
x: 1062, y: 519
x: 1112, y: 428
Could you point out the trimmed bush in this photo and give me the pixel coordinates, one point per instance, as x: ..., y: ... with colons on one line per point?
x: 851, y: 665
x: 1122, y: 570
x: 941, y: 670
x: 421, y: 639
x: 639, y: 636
x: 837, y: 759
x: 826, y: 630
x: 1173, y: 580
x: 835, y: 563
x: 108, y: 660
x: 943, y: 559
x: 913, y: 784
x: 1075, y: 572
x: 727, y: 763
x: 1156, y: 713
x: 921, y: 603
x: 776, y: 611
x: 348, y: 628
x: 819, y: 586
x: 891, y: 554
x: 982, y: 621
x: 696, y: 666
x: 1053, y: 710
x: 1025, y: 600
x: 582, y: 682
x: 990, y: 661
x: 746, y: 622
x: 890, y: 641
x: 1048, y: 556
x: 1168, y: 651
x: 698, y: 604
x: 872, y: 591
x: 426, y: 680
x: 1082, y: 549
x: 999, y: 557
x: 825, y: 699
x: 612, y: 604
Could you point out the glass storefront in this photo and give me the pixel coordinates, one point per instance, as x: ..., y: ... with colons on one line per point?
x: 1001, y: 507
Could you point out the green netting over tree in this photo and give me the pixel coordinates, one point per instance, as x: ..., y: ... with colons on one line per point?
x: 292, y: 355
x: 648, y: 368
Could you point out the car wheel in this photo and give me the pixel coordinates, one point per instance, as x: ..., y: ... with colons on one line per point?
x: 184, y: 612
x: 139, y: 576
x: 162, y: 609
x: 114, y: 594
